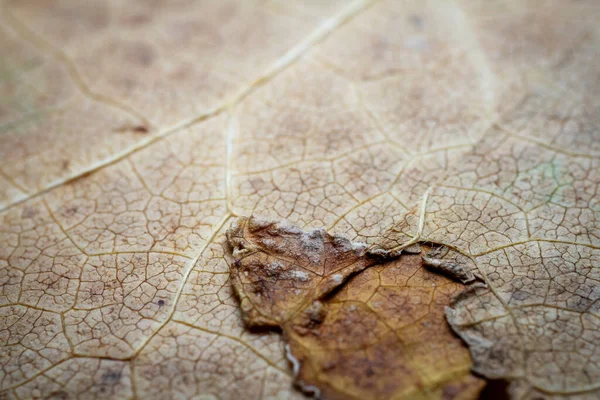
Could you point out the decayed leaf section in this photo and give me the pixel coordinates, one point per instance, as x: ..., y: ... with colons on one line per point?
x: 377, y: 334
x: 279, y: 269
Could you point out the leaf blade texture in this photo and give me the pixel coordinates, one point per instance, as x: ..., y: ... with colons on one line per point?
x: 132, y: 135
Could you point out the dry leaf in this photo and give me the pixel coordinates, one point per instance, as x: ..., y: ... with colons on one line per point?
x: 131, y: 135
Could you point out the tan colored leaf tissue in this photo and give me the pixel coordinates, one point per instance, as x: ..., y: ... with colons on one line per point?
x: 269, y: 199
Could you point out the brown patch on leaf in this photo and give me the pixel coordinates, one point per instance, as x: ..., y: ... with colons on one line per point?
x: 279, y: 269
x: 382, y: 335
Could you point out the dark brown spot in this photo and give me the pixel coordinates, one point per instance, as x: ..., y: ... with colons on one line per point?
x: 142, y: 129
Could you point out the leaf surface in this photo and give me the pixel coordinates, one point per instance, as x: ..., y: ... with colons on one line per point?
x: 131, y: 135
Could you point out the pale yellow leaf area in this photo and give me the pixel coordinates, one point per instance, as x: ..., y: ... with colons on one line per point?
x: 132, y: 133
